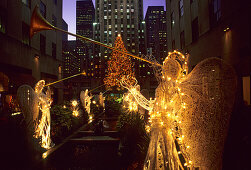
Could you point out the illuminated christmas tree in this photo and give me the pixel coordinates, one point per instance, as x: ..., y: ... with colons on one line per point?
x: 119, y: 66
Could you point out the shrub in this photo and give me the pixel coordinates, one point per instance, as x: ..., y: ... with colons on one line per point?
x: 134, y: 139
x: 63, y: 122
x: 112, y: 107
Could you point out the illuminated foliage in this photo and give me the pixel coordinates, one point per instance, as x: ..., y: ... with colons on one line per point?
x: 119, y: 66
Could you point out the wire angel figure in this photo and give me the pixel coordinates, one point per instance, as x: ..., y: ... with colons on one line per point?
x: 190, y: 115
x: 36, y: 107
x: 101, y: 100
x: 86, y: 102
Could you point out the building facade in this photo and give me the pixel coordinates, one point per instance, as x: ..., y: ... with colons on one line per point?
x: 26, y: 60
x: 85, y: 15
x: 215, y: 28
x: 115, y: 17
x: 71, y: 61
x: 156, y: 32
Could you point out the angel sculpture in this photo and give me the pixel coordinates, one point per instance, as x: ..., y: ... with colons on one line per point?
x: 189, y: 117
x: 129, y: 101
x: 36, y: 108
x: 86, y: 102
x: 101, y: 100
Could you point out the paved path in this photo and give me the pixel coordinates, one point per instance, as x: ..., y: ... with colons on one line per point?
x: 86, y: 150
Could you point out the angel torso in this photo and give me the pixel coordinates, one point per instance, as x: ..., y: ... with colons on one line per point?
x: 189, y: 116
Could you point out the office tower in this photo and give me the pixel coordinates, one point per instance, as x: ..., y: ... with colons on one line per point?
x: 84, y: 26
x: 115, y: 17
x: 156, y: 32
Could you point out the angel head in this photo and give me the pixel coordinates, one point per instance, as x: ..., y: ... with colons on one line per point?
x: 171, y: 69
x: 174, y: 65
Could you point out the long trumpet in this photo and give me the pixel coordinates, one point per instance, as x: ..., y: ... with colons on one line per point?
x: 39, y: 23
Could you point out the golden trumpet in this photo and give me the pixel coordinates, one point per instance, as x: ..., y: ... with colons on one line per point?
x: 39, y: 23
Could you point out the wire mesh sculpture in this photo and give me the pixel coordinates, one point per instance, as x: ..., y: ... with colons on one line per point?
x: 36, y: 108
x: 190, y: 115
x: 86, y: 103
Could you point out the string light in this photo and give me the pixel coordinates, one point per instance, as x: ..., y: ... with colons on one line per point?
x: 163, y: 104
x: 119, y: 66
x: 74, y: 103
x: 42, y: 126
x: 86, y: 103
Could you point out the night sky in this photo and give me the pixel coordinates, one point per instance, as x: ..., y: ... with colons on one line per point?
x: 69, y: 12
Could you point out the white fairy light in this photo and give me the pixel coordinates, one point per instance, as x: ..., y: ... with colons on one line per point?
x: 43, y: 126
x: 180, y: 103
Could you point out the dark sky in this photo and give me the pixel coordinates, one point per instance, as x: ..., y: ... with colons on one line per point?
x: 69, y: 12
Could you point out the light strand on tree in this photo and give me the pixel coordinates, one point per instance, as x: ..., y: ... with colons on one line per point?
x: 118, y: 66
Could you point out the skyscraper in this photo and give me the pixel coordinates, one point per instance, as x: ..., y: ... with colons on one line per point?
x: 115, y: 17
x: 156, y: 32
x: 84, y: 26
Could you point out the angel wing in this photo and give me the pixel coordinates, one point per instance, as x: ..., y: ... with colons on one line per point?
x: 31, y: 102
x: 28, y: 101
x: 82, y: 98
x: 208, y: 92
